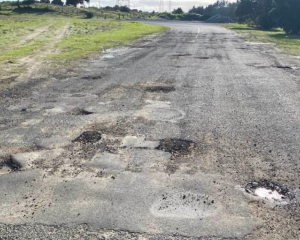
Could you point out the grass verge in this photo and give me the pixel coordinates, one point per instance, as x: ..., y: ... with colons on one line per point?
x: 91, y: 36
x: 289, y: 43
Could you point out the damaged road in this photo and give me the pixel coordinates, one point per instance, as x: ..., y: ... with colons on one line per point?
x: 179, y: 136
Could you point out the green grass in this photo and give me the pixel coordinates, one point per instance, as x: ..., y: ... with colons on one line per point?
x: 52, y: 47
x: 91, y: 36
x: 289, y: 43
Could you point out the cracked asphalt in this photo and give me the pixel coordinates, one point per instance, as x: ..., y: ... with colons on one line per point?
x: 155, y: 140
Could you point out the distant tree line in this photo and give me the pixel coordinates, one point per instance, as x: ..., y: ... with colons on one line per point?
x: 221, y: 7
x: 268, y: 14
x: 262, y: 14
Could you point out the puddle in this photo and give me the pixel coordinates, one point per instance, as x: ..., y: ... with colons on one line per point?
x: 163, y: 89
x: 80, y: 112
x: 88, y: 137
x: 270, y: 191
x: 9, y: 164
x: 176, y: 146
x: 185, y: 205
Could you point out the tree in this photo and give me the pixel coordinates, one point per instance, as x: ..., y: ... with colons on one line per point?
x: 57, y: 2
x: 256, y: 12
x: 75, y: 2
x: 124, y: 9
x: 197, y: 10
x: 288, y: 14
x: 28, y: 2
x: 177, y: 11
x: 45, y: 1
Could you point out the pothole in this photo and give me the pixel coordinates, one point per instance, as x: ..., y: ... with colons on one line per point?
x: 176, y: 146
x: 203, y: 58
x: 282, y: 67
x: 158, y: 88
x: 270, y: 191
x: 9, y: 164
x: 80, y: 111
x: 88, y: 137
x: 92, y: 77
x: 180, y: 54
x: 185, y: 205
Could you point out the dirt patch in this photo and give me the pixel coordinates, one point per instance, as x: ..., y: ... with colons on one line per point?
x: 177, y: 147
x: 88, y: 137
x: 10, y: 163
x: 159, y: 88
x: 80, y: 112
x: 8, y: 80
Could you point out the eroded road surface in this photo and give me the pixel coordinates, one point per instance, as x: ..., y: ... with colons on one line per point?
x: 192, y: 134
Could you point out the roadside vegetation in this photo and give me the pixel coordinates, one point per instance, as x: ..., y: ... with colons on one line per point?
x: 269, y: 21
x: 290, y: 43
x: 43, y: 36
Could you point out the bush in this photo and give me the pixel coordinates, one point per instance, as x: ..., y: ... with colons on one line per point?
x: 89, y: 15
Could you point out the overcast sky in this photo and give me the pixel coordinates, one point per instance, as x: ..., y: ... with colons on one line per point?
x: 150, y: 5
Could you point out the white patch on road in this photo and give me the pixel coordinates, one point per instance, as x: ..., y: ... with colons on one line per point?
x: 268, y: 194
x: 160, y: 111
x: 138, y: 142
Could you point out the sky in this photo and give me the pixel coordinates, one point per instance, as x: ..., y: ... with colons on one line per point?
x: 153, y: 5
x: 150, y: 5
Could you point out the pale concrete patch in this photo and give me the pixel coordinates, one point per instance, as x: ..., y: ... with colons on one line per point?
x: 160, y: 111
x: 138, y: 142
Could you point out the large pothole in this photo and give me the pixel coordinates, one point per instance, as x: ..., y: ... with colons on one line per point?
x: 88, y: 137
x: 9, y: 164
x: 270, y: 191
x: 185, y: 205
x: 176, y: 146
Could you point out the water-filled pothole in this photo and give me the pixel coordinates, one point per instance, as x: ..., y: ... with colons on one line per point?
x: 80, y: 111
x: 88, y: 137
x: 271, y: 191
x: 158, y: 88
x: 10, y: 163
x: 176, y: 146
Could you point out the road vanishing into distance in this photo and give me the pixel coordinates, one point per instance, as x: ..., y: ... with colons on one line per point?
x: 190, y: 134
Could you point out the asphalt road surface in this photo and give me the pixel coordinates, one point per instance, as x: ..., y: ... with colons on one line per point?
x: 192, y: 134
